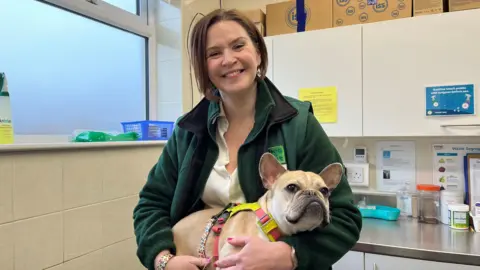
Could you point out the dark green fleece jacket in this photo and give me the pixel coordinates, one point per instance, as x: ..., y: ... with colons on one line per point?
x: 283, y: 126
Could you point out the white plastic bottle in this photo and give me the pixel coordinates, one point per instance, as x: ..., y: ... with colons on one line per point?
x: 6, y: 127
x: 404, y: 200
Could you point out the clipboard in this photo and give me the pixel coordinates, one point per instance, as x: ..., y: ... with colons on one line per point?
x: 471, y: 186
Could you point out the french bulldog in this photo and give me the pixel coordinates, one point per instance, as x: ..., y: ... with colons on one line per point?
x: 297, y: 200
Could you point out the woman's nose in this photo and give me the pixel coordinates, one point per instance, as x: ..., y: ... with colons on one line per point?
x: 228, y: 58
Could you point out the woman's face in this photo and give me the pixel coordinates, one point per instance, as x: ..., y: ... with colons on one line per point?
x: 232, y: 58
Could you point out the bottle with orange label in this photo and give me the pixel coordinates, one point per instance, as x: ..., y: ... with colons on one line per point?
x: 6, y: 126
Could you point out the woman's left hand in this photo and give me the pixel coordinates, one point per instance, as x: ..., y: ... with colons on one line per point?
x: 257, y: 254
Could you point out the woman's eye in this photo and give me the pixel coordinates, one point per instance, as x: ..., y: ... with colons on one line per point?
x: 238, y: 46
x: 324, y: 191
x: 292, y: 188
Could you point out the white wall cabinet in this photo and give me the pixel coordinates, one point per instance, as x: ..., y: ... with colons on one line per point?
x: 402, y: 57
x: 353, y: 260
x: 329, y: 57
x: 382, y: 262
x: 269, y: 45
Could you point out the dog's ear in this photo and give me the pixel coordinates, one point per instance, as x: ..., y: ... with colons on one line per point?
x: 332, y: 174
x: 270, y: 169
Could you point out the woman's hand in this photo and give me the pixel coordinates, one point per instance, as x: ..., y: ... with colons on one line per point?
x: 186, y: 263
x: 257, y: 254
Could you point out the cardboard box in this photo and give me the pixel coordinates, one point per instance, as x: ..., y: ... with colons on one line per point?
x: 282, y: 17
x: 257, y: 16
x: 349, y: 12
x: 457, y: 5
x: 427, y: 7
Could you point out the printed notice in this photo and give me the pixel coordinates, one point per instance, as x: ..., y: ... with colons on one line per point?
x: 324, y: 102
x: 395, y: 165
x: 450, y: 100
x: 448, y: 164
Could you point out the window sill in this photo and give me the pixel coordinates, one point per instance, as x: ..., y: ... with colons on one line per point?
x: 42, y: 143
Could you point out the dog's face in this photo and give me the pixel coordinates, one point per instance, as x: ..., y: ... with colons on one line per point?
x: 298, y: 199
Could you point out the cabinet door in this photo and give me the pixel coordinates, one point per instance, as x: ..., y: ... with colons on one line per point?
x: 322, y: 58
x: 353, y: 260
x: 402, y: 57
x: 382, y: 262
x: 269, y: 45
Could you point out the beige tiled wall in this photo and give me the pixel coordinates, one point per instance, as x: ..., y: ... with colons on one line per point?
x: 71, y: 210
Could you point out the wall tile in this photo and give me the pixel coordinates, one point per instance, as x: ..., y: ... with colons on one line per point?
x: 117, y: 219
x: 6, y: 189
x: 39, y: 242
x: 83, y: 231
x: 127, y: 172
x: 121, y: 256
x: 38, y: 184
x: 83, y: 174
x: 7, y: 249
x: 169, y: 81
x: 91, y: 261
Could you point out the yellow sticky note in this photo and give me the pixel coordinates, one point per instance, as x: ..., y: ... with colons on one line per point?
x: 6, y: 134
x: 324, y: 102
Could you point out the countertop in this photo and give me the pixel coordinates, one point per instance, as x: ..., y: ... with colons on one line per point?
x: 410, y: 239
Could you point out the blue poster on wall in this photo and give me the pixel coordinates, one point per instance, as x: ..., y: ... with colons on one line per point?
x: 450, y: 100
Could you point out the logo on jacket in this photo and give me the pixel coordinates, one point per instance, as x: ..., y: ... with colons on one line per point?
x: 279, y: 153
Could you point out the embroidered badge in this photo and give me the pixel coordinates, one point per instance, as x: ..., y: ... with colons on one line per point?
x: 279, y: 153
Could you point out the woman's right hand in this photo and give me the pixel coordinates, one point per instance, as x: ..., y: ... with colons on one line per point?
x: 186, y: 263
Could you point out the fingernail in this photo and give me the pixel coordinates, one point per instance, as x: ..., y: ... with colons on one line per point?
x: 229, y: 238
x: 215, y: 265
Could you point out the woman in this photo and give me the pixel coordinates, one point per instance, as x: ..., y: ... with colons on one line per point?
x: 212, y: 157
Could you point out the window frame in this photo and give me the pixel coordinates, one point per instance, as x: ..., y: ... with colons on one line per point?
x: 141, y: 24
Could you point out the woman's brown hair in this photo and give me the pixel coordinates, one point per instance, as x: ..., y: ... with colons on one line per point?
x: 198, y: 44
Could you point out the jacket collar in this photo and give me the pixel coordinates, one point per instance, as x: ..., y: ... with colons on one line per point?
x: 270, y: 105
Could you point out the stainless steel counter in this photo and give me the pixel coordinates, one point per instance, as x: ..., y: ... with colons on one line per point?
x: 409, y: 239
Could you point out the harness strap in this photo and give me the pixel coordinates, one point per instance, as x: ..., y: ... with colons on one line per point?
x: 265, y: 221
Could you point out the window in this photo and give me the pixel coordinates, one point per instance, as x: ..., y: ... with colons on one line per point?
x: 128, y: 5
x: 66, y: 71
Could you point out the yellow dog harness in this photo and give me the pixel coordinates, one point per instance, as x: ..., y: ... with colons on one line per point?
x: 264, y: 220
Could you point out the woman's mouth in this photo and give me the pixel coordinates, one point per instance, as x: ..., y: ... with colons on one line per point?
x: 233, y: 73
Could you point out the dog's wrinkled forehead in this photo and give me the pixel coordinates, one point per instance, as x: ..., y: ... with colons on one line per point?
x: 307, y: 180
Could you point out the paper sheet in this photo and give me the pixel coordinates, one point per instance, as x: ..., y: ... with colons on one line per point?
x: 395, y: 165
x: 474, y: 183
x: 324, y: 102
x: 448, y: 164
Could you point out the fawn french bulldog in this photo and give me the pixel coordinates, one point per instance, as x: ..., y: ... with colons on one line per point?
x: 295, y: 201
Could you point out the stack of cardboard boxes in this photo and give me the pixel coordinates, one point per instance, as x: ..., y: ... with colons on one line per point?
x: 281, y: 18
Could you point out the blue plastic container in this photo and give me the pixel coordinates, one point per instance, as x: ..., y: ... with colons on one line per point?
x: 150, y: 130
x: 380, y: 212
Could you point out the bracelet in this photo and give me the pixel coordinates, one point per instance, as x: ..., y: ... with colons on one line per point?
x: 294, y: 259
x: 162, y: 263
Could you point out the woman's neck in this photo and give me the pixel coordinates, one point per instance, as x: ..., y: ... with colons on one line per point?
x: 240, y: 107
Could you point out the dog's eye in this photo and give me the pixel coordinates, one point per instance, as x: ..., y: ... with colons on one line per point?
x: 292, y: 188
x: 324, y: 191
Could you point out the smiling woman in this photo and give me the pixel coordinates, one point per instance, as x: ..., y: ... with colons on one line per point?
x: 212, y: 160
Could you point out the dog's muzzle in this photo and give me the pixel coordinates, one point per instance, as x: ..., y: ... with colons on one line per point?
x: 309, y: 203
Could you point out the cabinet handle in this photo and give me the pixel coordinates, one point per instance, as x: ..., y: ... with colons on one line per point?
x: 374, y: 266
x: 465, y: 125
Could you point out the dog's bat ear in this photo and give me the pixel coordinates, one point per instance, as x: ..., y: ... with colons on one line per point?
x: 332, y: 174
x: 270, y: 169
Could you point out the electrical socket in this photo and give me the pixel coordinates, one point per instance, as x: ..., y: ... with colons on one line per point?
x: 358, y: 174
